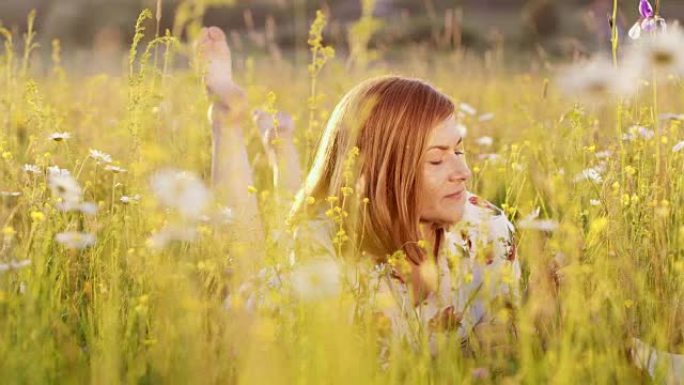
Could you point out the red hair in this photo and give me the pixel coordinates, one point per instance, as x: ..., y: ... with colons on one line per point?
x: 386, y: 122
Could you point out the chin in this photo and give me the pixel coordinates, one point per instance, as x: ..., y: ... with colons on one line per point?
x: 445, y: 214
x: 455, y: 216
x: 450, y: 220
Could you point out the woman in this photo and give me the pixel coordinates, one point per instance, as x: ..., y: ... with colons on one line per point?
x: 388, y: 182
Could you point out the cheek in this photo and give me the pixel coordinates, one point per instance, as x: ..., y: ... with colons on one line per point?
x: 433, y: 203
x: 431, y: 182
x: 430, y: 192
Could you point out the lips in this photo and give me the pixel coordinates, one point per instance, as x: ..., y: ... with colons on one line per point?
x: 456, y: 195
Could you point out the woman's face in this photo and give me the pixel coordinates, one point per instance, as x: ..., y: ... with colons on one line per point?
x: 445, y: 172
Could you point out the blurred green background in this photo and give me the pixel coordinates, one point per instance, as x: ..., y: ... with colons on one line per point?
x: 561, y: 28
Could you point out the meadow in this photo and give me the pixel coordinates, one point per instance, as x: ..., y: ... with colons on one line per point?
x: 112, y: 271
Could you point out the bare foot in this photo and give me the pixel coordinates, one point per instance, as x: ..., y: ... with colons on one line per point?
x: 212, y: 48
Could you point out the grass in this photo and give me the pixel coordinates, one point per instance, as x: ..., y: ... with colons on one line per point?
x: 123, y: 312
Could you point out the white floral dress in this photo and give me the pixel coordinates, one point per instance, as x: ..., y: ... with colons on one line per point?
x: 477, y: 268
x: 477, y: 265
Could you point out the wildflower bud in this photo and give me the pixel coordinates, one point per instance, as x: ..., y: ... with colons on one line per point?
x: 8, y: 231
x: 37, y: 216
x: 625, y: 200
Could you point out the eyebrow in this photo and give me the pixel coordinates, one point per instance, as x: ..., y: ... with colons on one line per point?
x: 444, y: 148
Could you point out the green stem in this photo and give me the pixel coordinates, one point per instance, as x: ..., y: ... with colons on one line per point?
x: 614, y: 40
x: 656, y: 129
x: 614, y: 37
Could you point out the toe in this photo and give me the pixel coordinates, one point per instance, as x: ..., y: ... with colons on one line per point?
x: 216, y: 33
x: 203, y: 37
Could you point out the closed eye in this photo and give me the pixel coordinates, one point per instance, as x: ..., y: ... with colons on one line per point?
x: 457, y: 153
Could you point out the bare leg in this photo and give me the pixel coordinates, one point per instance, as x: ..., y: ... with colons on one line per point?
x: 231, y: 173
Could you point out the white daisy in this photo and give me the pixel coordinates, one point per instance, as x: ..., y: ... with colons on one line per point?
x: 14, y: 265
x: 59, y: 136
x: 55, y: 170
x: 490, y: 157
x: 115, y: 169
x: 126, y: 199
x: 635, y: 132
x: 65, y: 187
x: 467, y: 109
x: 594, y: 202
x: 597, y: 81
x: 662, y: 53
x: 531, y: 222
x: 10, y: 193
x: 462, y: 130
x: 678, y: 147
x: 99, y: 156
x: 484, y: 141
x: 183, y: 191
x: 593, y: 174
x: 486, y: 117
x: 31, y: 169
x: 75, y: 239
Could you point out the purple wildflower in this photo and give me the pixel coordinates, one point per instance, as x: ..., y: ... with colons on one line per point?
x: 648, y: 21
x: 645, y: 9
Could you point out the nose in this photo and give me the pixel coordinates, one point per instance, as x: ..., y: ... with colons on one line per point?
x: 460, y: 172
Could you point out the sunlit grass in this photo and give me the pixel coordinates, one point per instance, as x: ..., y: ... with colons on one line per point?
x: 122, y: 311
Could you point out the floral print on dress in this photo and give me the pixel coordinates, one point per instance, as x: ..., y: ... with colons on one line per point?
x: 479, y: 202
x: 477, y: 268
